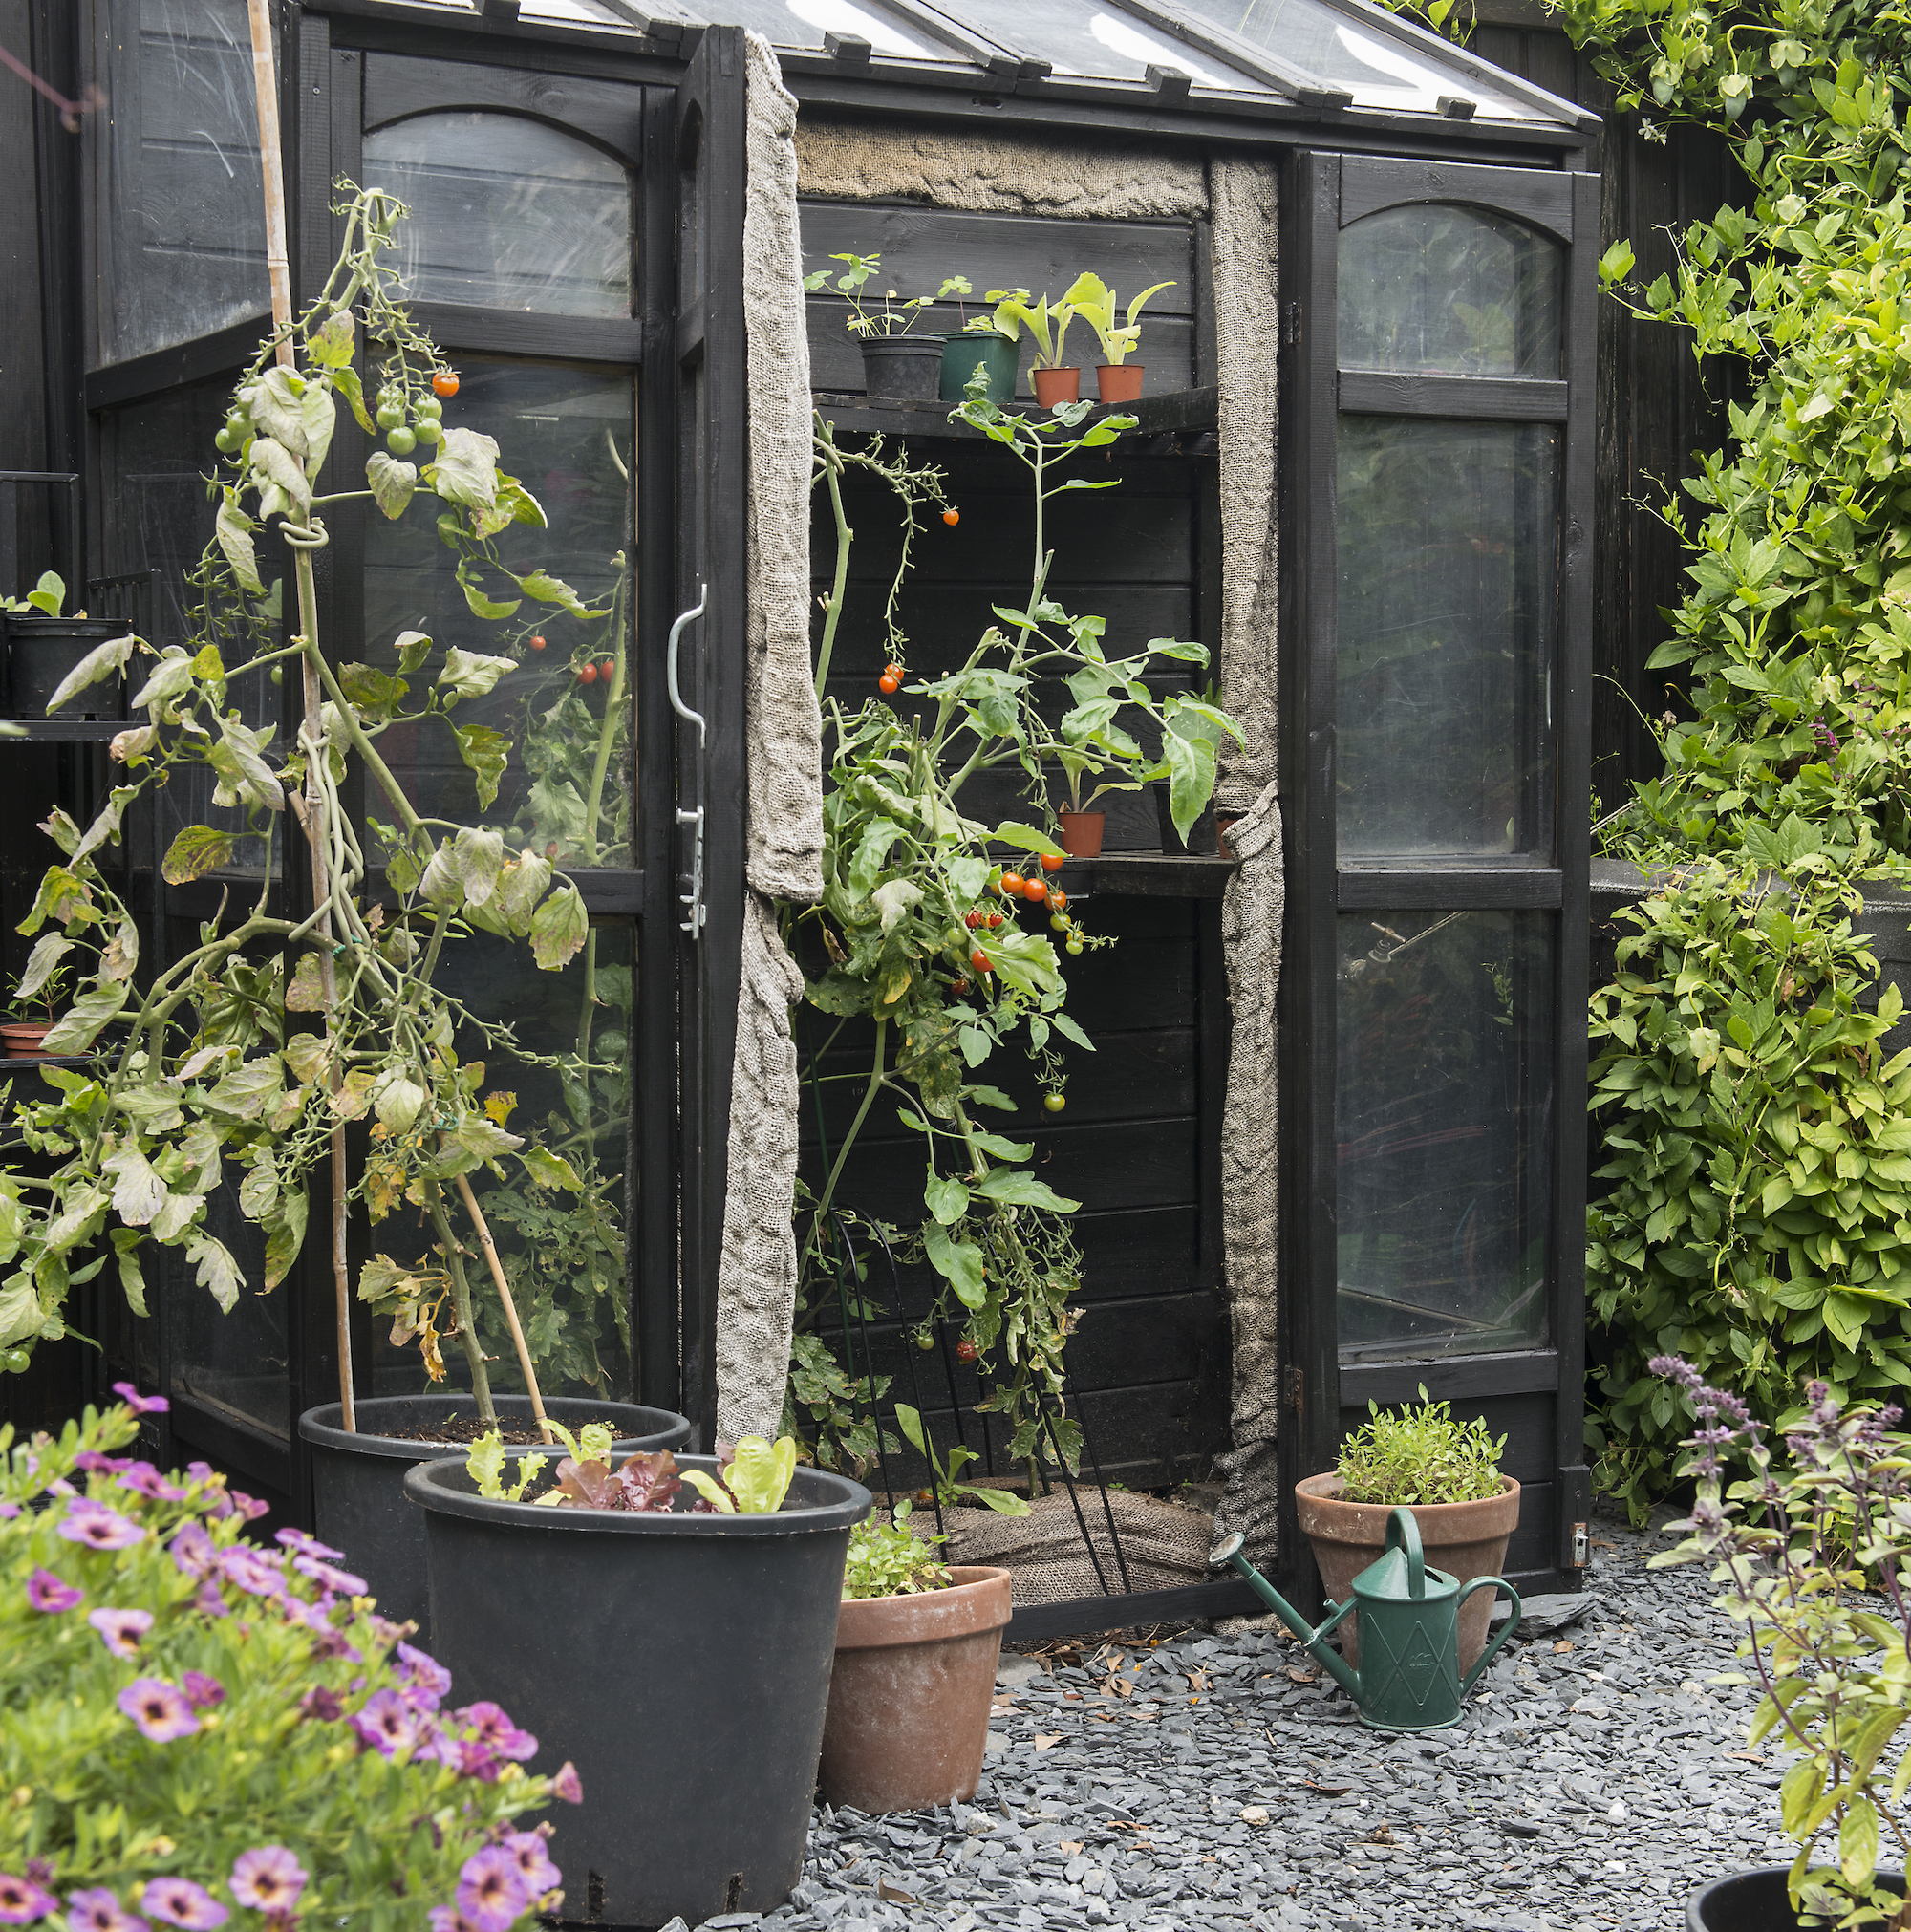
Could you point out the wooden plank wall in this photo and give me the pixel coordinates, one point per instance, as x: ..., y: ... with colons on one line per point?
x: 1151, y: 1357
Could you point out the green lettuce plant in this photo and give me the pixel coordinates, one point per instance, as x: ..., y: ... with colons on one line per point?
x: 201, y: 1729
x: 753, y: 1476
x: 1097, y: 304
x: 47, y: 597
x: 890, y: 1559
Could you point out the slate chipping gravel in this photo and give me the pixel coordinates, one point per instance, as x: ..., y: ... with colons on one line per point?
x: 1594, y: 1787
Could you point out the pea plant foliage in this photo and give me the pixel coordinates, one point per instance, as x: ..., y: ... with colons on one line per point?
x: 246, y: 1057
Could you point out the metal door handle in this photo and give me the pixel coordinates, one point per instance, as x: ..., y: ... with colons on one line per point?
x: 693, y: 900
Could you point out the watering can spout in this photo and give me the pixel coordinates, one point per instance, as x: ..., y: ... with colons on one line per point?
x: 1227, y: 1553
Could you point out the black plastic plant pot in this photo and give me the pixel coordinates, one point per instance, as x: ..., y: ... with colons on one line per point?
x: 680, y: 1661
x: 906, y: 367
x: 359, y: 1479
x: 40, y: 651
x: 1753, y: 1902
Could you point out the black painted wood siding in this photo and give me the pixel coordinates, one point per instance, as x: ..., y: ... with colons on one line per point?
x: 1150, y: 1358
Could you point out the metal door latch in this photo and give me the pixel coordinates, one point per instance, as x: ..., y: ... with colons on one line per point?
x: 692, y: 900
x: 1581, y: 1545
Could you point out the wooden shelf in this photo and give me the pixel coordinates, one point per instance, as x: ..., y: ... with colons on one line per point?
x: 1148, y: 876
x: 1178, y: 423
x: 65, y: 730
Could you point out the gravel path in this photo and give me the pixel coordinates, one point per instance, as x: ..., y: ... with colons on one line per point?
x: 1596, y: 1783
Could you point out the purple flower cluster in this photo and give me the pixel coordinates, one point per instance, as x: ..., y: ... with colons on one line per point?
x: 499, y: 1884
x: 1723, y: 1417
x: 268, y: 1879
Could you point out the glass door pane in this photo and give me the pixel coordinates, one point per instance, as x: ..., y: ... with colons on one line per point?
x: 1447, y: 591
x: 1443, y: 1129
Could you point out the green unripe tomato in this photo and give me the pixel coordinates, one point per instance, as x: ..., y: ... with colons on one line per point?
x: 401, y: 442
x: 391, y: 412
x: 427, y: 406
x: 1055, y: 1102
x: 14, y: 1362
x: 957, y: 939
x: 1057, y: 923
x: 429, y: 430
x: 278, y: 674
x: 924, y: 1340
x: 1074, y: 946
x: 226, y: 440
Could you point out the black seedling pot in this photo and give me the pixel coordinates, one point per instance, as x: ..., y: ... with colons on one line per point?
x: 1753, y: 1902
x: 358, y: 1480
x: 681, y: 1661
x: 41, y: 651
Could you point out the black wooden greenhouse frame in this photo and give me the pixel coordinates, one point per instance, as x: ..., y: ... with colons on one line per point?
x: 661, y: 94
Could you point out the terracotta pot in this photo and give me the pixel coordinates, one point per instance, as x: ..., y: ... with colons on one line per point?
x: 1082, y: 834
x: 20, y: 1039
x: 1121, y: 381
x: 908, y: 1696
x: 1056, y: 385
x: 1222, y: 827
x: 1465, y: 1540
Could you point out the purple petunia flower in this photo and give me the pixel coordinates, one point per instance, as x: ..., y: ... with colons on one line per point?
x: 193, y: 1551
x: 529, y: 1852
x: 120, y: 1630
x: 209, y: 1602
x: 322, y: 1573
x: 491, y: 1890
x: 22, y: 1902
x: 252, y: 1572
x: 566, y: 1785
x: 322, y: 1704
x: 478, y: 1761
x: 100, y: 1465
x: 497, y: 1732
x: 268, y: 1878
x: 149, y: 1481
x: 140, y: 1405
x: 309, y: 1545
x: 202, y: 1691
x: 99, y: 1528
x: 46, y: 1591
x: 9, y: 1510
x: 249, y: 1507
x: 424, y: 1671
x: 449, y: 1919
x: 386, y: 1723
x: 179, y: 1902
x: 98, y: 1910
x: 159, y: 1709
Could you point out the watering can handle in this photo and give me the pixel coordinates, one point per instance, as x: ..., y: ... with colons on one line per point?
x: 1512, y: 1624
x: 1403, y: 1533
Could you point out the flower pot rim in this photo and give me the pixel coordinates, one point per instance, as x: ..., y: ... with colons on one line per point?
x: 1313, y: 1493
x: 1717, y: 1888
x: 934, y: 342
x: 1062, y: 812
x: 73, y: 627
x: 976, y: 1603
x: 321, y: 1425
x: 443, y: 1488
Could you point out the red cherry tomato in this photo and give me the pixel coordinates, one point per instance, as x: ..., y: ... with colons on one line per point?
x: 607, y: 669
x: 1051, y: 862
x: 959, y: 987
x: 979, y: 960
x: 1058, y: 899
x: 1014, y: 884
x: 993, y: 920
x: 1035, y: 892
x: 588, y: 674
x: 952, y: 516
x: 537, y: 643
x: 966, y: 1350
x: 886, y: 684
x: 972, y: 919
x: 892, y: 671
x: 445, y: 383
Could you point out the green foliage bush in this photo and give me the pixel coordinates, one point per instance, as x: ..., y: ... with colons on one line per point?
x: 1419, y: 1455
x: 197, y: 1726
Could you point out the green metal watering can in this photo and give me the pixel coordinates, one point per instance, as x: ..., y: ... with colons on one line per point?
x: 1410, y: 1631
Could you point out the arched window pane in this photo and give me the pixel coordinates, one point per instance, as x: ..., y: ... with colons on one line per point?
x: 1436, y: 290
x: 506, y: 213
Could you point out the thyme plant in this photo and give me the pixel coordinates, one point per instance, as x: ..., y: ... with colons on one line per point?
x: 248, y: 1055
x: 917, y: 929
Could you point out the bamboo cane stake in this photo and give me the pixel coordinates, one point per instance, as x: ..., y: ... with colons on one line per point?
x: 504, y: 1289
x: 278, y: 268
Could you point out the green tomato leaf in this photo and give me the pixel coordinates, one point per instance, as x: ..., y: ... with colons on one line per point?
x: 558, y: 928
x: 465, y: 469
x: 488, y: 752
x: 393, y: 483
x: 960, y: 1263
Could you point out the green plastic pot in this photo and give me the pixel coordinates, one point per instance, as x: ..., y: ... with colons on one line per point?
x: 984, y: 348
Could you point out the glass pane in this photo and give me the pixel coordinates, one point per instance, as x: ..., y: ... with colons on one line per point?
x: 506, y: 213
x: 1444, y: 1123
x: 1447, y: 536
x: 1450, y: 291
x: 186, y: 223
x: 568, y: 434
x: 1358, y: 55
x: 154, y: 461
x: 563, y: 1255
x: 803, y: 23
x: 1090, y: 41
x: 233, y: 1365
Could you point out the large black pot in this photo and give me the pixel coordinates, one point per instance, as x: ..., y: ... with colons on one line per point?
x: 681, y: 1661
x: 359, y: 1479
x: 40, y: 651
x: 908, y: 367
x: 1753, y: 1902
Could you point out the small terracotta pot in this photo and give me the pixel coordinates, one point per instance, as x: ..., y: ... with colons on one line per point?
x: 1056, y: 385
x: 1465, y: 1540
x: 20, y: 1039
x: 910, y: 1693
x: 1121, y: 381
x: 1222, y: 827
x: 1081, y: 834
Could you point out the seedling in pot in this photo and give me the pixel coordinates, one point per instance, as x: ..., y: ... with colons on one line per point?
x: 890, y: 1559
x: 1096, y: 303
x: 46, y: 597
x: 753, y: 1477
x: 894, y: 313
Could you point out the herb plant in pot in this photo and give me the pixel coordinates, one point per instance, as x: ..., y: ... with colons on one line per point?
x: 895, y: 362
x: 44, y: 648
x: 31, y: 1013
x: 1814, y: 1561
x: 918, y: 1642
x: 1091, y: 298
x: 1448, y: 1472
x: 673, y: 1612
